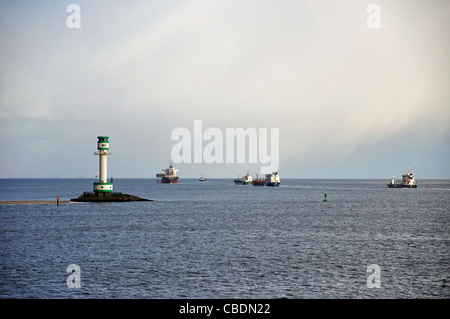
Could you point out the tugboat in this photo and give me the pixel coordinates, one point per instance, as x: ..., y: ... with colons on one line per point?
x: 258, y: 181
x: 394, y: 183
x: 273, y: 179
x: 248, y: 179
x: 408, y: 181
x: 238, y: 181
x: 170, y: 175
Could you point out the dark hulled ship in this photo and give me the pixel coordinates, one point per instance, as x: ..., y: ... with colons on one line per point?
x: 408, y: 181
x: 170, y: 175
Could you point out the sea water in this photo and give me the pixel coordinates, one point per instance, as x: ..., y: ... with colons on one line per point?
x: 215, y: 239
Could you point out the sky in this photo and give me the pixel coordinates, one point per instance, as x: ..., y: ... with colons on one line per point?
x: 349, y: 101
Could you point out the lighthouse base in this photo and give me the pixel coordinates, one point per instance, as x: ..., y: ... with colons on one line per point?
x: 108, y: 197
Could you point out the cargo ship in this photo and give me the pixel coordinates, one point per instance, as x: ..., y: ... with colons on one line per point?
x: 248, y: 179
x: 408, y: 181
x: 272, y: 179
x: 258, y: 181
x: 170, y: 175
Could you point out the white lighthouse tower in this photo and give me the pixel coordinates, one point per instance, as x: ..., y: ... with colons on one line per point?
x: 102, y: 188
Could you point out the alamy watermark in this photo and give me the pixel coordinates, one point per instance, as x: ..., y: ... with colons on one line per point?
x: 228, y: 148
x: 74, y: 279
x: 374, y: 19
x: 374, y: 279
x: 73, y: 21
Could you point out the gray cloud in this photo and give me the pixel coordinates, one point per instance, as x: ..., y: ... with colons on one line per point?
x: 315, y: 70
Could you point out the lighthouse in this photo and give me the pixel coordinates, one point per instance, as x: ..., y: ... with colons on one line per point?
x: 103, y: 188
x: 103, y: 191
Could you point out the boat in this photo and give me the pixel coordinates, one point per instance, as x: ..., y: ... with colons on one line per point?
x: 202, y: 179
x: 170, y: 175
x: 258, y: 181
x: 273, y: 179
x: 158, y: 177
x: 395, y: 183
x: 248, y: 179
x: 408, y: 181
x: 238, y: 181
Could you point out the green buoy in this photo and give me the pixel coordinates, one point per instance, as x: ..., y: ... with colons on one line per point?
x: 325, y: 200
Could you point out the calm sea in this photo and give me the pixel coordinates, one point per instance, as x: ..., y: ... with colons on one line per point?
x: 218, y: 240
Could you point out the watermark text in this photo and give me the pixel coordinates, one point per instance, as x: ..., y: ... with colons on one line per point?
x: 230, y: 147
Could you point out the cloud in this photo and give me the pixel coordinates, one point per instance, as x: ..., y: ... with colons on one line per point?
x: 315, y: 70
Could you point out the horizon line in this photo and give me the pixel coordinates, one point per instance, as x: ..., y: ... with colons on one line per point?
x: 156, y: 178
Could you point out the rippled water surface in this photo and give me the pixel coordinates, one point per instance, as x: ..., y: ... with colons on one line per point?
x: 219, y: 240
